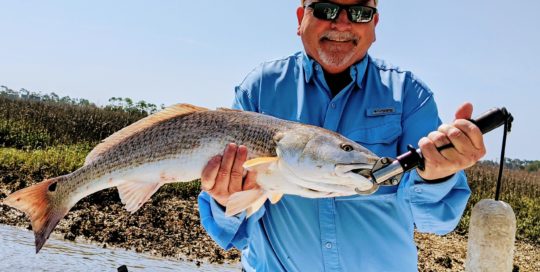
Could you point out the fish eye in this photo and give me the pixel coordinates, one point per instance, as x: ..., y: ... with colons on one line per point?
x: 347, y: 147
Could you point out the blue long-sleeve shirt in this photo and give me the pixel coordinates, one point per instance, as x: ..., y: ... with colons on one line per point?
x: 383, y: 109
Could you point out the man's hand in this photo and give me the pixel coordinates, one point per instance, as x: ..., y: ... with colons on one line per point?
x: 468, y: 146
x: 225, y: 175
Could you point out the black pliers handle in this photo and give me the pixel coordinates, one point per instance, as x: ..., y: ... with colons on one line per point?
x: 388, y: 171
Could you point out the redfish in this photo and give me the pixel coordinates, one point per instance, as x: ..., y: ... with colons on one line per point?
x: 175, y: 144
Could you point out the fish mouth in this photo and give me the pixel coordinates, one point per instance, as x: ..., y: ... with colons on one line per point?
x: 363, y: 172
x: 358, y: 174
x: 362, y: 169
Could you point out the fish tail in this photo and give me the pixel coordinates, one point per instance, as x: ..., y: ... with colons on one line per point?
x: 37, y: 202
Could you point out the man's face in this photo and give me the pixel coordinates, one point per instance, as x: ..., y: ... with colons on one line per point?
x: 339, y: 43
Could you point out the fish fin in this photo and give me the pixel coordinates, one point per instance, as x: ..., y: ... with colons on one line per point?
x: 243, y: 200
x: 135, y: 193
x: 275, y: 197
x: 227, y: 109
x: 256, y: 206
x: 37, y: 203
x: 119, y: 136
x: 261, y: 163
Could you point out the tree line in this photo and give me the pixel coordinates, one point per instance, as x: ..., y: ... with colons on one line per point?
x: 125, y: 104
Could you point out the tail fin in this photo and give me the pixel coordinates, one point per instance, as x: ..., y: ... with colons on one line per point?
x: 37, y: 203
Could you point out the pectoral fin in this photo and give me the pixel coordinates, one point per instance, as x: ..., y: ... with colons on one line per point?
x: 255, y: 206
x: 275, y: 197
x: 260, y: 164
x: 250, y: 200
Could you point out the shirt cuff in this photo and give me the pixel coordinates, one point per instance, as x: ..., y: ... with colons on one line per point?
x: 219, y: 226
x: 227, y: 222
x: 423, y: 191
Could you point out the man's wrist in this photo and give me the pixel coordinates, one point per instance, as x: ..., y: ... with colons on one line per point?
x: 435, y: 181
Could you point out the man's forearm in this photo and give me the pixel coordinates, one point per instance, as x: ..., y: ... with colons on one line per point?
x: 437, y: 207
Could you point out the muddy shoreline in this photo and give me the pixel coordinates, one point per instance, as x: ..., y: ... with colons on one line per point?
x: 169, y: 226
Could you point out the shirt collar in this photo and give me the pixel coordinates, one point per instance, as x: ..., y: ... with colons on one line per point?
x: 308, y: 64
x: 357, y: 71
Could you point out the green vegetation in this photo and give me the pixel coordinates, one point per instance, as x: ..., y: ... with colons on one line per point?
x: 44, y: 136
x: 23, y: 168
x: 32, y: 120
x: 520, y: 188
x: 527, y: 165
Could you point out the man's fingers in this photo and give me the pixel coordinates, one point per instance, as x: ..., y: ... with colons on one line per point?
x: 209, y: 173
x: 224, y: 173
x: 467, y: 140
x: 250, y: 181
x: 237, y: 171
x: 464, y: 111
x: 463, y: 137
x: 472, y: 131
x: 458, y: 138
x: 438, y: 138
x: 430, y: 152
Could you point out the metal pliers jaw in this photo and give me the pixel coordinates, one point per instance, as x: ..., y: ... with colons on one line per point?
x: 381, y: 163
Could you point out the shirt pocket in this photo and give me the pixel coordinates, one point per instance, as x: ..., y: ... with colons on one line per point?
x: 381, y: 139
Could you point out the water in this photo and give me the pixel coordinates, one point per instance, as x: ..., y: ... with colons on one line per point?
x: 17, y: 253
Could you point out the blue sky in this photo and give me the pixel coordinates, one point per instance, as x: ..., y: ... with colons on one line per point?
x: 166, y: 52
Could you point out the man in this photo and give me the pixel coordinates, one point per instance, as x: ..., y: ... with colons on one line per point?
x: 335, y: 84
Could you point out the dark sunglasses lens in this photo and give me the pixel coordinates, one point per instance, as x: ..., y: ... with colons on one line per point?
x: 325, y: 11
x: 361, y: 14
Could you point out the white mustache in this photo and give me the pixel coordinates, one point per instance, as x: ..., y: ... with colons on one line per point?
x: 339, y: 36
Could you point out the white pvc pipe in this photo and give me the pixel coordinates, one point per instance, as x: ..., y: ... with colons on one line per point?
x: 492, y: 232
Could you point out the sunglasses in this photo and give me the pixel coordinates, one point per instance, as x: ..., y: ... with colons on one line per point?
x: 330, y: 11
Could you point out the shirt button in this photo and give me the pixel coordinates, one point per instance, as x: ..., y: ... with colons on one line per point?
x: 333, y: 105
x: 328, y: 245
x: 417, y: 189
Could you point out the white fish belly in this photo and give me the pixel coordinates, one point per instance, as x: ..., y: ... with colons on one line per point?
x: 182, y: 168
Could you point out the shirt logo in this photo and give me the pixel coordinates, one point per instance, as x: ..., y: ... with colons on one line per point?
x: 382, y: 111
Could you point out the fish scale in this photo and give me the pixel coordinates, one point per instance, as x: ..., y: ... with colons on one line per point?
x: 182, y: 136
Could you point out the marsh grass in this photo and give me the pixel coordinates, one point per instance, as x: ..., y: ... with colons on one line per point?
x: 24, y: 167
x: 30, y: 124
x: 520, y: 189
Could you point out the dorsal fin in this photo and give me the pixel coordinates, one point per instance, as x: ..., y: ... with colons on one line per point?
x: 119, y: 136
x: 227, y: 109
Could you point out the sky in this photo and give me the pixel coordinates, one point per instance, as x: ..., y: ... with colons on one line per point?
x: 167, y: 52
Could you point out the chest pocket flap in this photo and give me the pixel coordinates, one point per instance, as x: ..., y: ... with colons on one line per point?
x: 381, y: 140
